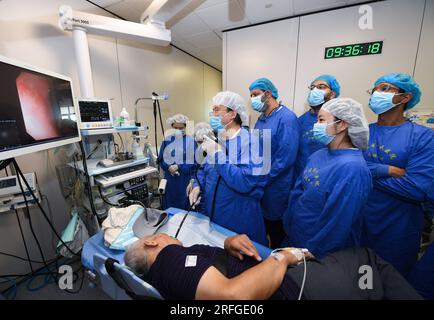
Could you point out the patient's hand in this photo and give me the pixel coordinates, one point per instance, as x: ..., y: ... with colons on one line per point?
x: 239, y: 245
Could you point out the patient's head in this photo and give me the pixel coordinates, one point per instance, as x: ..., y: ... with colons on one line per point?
x: 141, y: 254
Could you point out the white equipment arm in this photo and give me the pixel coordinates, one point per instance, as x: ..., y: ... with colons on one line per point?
x: 111, y: 27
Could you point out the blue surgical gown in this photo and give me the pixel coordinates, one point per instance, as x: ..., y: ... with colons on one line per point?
x: 308, y: 144
x: 180, y: 151
x: 421, y: 276
x: 285, y: 135
x: 325, y: 208
x: 241, y: 187
x: 393, y: 216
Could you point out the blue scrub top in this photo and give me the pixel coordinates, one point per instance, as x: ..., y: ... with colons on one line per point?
x: 421, y: 276
x: 308, y: 144
x: 285, y: 136
x: 237, y: 204
x: 178, y: 151
x: 393, y: 216
x: 325, y: 208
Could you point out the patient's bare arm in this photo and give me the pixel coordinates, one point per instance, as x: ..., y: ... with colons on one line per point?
x: 259, y: 282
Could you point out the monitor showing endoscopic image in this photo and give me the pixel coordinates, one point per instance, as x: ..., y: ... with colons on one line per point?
x: 37, y: 110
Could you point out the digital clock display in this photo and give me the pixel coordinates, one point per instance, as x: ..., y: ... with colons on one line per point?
x: 354, y: 50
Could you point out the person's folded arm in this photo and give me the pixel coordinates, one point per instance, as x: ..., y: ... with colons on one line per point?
x: 419, y: 173
x: 378, y: 170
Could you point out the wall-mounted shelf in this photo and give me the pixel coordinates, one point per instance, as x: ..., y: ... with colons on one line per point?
x: 94, y: 170
x: 96, y: 132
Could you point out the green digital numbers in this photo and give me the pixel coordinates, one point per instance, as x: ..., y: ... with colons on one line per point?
x: 354, y: 50
x: 338, y: 52
x: 330, y: 53
x: 374, y: 48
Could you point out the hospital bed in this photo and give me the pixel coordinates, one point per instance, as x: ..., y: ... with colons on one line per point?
x: 105, y: 268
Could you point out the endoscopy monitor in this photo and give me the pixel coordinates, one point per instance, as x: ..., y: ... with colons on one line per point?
x: 37, y: 110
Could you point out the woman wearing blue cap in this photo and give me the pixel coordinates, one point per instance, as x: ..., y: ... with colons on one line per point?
x: 401, y: 159
x: 285, y: 135
x: 322, y: 89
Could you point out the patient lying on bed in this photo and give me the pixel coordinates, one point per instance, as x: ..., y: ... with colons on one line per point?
x: 204, y: 272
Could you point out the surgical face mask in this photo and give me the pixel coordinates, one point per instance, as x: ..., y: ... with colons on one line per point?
x: 316, y: 97
x: 381, y: 102
x: 258, y: 104
x: 216, y: 123
x: 179, y: 132
x: 320, y: 133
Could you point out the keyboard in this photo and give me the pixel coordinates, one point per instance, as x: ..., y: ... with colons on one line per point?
x: 115, y: 177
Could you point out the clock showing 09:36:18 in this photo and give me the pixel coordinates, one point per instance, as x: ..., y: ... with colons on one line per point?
x: 354, y: 50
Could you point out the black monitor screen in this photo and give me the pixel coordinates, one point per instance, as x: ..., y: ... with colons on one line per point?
x: 94, y: 111
x: 35, y: 108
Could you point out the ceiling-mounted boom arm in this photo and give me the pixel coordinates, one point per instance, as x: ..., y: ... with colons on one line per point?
x: 81, y: 23
x: 166, y: 13
x: 151, y: 30
x: 111, y: 27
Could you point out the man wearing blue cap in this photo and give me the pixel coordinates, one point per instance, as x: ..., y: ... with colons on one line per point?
x: 322, y: 89
x: 285, y: 134
x: 400, y: 156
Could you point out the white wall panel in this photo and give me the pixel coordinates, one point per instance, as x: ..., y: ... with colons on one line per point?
x: 424, y: 73
x: 267, y: 50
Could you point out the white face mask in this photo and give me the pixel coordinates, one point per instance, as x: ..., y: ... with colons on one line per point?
x: 178, y: 132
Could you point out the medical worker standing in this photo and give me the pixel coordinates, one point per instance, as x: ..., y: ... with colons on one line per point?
x: 176, y: 159
x: 285, y: 134
x: 231, y: 179
x: 401, y: 160
x: 322, y: 89
x: 325, y: 208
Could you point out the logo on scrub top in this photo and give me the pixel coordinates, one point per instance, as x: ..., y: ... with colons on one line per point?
x: 308, y: 135
x: 381, y: 153
x: 311, y: 177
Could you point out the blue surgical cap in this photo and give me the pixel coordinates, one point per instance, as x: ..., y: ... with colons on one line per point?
x: 265, y: 85
x: 333, y: 83
x: 405, y: 82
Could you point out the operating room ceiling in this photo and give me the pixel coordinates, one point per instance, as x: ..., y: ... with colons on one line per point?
x: 200, y: 32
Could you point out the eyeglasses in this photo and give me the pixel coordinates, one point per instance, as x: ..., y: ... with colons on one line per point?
x: 384, y: 88
x: 216, y: 109
x: 320, y: 86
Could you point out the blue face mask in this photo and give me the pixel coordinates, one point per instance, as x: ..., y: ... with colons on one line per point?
x: 381, y: 102
x: 316, y: 97
x: 258, y: 104
x: 320, y: 133
x: 216, y: 123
